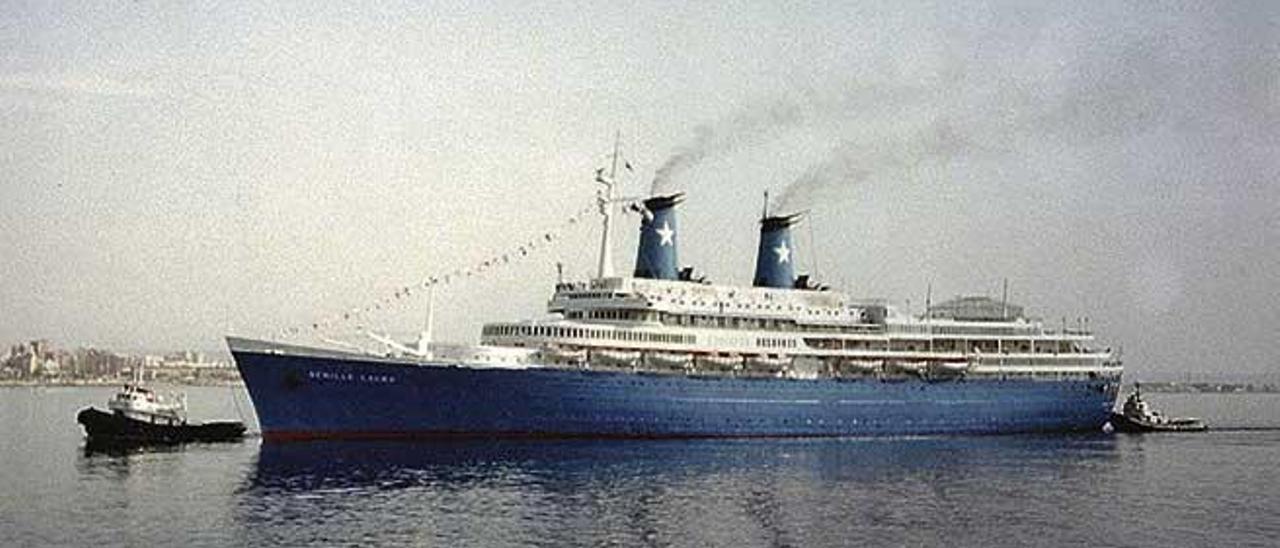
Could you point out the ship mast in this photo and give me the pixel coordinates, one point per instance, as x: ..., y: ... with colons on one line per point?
x: 606, y: 210
x: 425, y: 336
x: 928, y: 315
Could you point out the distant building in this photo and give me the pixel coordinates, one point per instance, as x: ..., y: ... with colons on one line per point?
x: 28, y: 358
x: 50, y: 367
x: 38, y: 359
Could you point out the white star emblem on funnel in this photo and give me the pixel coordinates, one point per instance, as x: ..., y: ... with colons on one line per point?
x: 784, y: 253
x: 666, y: 234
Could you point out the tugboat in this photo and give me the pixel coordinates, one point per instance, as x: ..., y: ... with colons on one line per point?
x: 1137, y: 416
x: 138, y: 415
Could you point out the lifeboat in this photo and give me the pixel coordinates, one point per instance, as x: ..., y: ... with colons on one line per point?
x: 616, y: 358
x: 949, y: 368
x: 716, y: 362
x: 668, y: 360
x: 560, y: 354
x: 766, y: 364
x: 907, y: 367
x: 859, y: 367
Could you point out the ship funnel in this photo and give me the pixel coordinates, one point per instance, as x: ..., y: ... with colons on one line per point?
x: 656, y: 256
x: 776, y: 256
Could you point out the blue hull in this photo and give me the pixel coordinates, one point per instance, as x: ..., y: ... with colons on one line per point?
x: 312, y: 397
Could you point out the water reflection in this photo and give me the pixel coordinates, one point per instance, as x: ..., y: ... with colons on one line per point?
x: 551, y: 464
x: 592, y: 492
x: 149, y: 461
x: 93, y: 448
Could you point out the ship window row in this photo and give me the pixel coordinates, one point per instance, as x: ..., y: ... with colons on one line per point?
x: 1042, y: 362
x: 612, y: 314
x: 718, y: 321
x: 949, y: 345
x: 1041, y: 375
x: 1020, y: 331
x: 560, y: 332
x: 631, y: 315
x: 592, y: 295
x: 722, y: 305
x: 766, y: 342
x: 974, y: 330
x: 726, y: 322
x: 842, y: 344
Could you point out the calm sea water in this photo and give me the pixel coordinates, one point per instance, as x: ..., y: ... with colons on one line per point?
x: 1219, y: 488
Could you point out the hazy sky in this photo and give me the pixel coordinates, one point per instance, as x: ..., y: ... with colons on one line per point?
x: 172, y: 171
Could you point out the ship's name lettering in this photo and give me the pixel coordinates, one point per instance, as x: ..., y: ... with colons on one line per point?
x: 350, y: 377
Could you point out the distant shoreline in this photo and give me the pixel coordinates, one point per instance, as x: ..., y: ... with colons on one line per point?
x: 1173, y: 387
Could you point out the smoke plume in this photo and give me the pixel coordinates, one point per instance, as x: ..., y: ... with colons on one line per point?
x: 830, y: 179
x: 746, y: 128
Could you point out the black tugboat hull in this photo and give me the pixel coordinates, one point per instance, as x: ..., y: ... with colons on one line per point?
x: 1122, y: 423
x: 110, y: 428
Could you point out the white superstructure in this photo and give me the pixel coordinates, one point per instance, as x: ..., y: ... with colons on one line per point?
x: 702, y: 328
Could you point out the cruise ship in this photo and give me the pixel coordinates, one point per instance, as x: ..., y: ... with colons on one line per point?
x: 664, y: 354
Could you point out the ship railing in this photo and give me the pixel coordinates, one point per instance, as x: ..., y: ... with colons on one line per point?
x: 1068, y: 332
